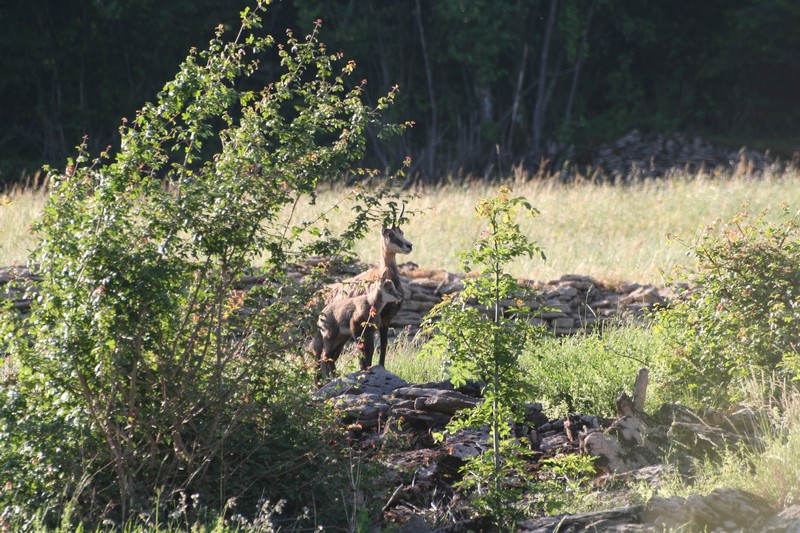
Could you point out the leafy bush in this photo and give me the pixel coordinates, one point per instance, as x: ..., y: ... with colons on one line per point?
x: 562, y: 480
x: 742, y: 317
x: 145, y: 370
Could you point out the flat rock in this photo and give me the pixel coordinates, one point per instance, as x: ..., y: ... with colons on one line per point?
x: 616, y: 520
x: 725, y: 509
x: 376, y: 380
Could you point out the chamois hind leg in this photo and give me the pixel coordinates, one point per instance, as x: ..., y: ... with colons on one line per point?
x: 328, y: 359
x: 331, y: 347
x: 384, y: 334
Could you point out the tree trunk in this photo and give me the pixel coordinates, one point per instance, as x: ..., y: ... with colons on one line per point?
x: 432, y: 128
x: 539, y: 109
x: 517, y: 97
x: 578, y: 64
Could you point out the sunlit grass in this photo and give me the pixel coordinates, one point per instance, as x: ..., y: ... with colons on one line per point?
x: 773, y: 472
x: 608, y: 231
x: 19, y: 207
x: 611, y: 232
x: 404, y: 359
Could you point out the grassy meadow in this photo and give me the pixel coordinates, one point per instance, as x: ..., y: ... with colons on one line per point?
x: 611, y: 232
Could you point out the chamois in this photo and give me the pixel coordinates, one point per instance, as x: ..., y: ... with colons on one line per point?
x: 393, y: 242
x: 355, y: 317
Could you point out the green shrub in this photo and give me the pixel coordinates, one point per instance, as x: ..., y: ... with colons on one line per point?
x: 562, y: 481
x: 742, y: 318
x: 145, y: 371
x: 484, y: 346
x: 585, y: 373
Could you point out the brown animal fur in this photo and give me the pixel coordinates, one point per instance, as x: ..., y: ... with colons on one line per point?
x: 393, y: 242
x: 355, y: 317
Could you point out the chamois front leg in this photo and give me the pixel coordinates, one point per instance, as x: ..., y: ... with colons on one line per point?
x: 383, y: 331
x: 318, y: 349
x: 327, y: 366
x: 326, y: 369
x: 367, y: 348
x: 363, y: 329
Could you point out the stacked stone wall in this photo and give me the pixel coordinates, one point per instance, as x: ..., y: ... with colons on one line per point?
x: 567, y: 305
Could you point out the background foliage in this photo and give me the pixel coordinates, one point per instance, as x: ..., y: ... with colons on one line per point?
x: 489, y: 84
x: 145, y: 373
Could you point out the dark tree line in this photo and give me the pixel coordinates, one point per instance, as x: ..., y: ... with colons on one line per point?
x: 488, y: 83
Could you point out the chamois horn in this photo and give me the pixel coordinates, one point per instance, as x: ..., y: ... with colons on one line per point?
x: 395, y: 218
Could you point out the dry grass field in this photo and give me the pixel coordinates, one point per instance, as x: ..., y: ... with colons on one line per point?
x: 611, y: 232
x: 19, y: 207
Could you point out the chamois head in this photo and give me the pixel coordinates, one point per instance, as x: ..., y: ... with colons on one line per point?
x: 392, y: 239
x: 389, y: 292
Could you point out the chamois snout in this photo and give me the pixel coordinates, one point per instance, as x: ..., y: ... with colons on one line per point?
x: 395, y: 242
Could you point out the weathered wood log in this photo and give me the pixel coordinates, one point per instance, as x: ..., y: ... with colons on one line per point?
x: 640, y: 390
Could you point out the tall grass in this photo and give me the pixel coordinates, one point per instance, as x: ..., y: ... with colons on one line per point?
x: 19, y: 207
x: 585, y: 373
x: 604, y: 230
x: 575, y: 374
x: 772, y: 472
x: 608, y: 231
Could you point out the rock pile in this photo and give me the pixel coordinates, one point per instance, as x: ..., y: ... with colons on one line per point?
x: 636, y: 155
x: 379, y: 408
x: 14, y: 291
x: 565, y: 306
x: 369, y: 400
x: 722, y: 510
